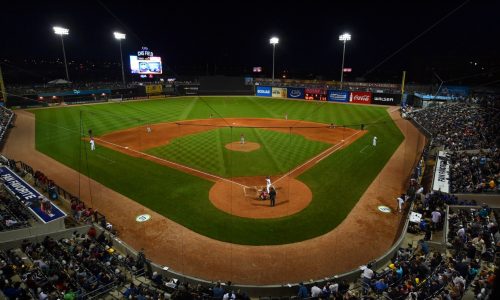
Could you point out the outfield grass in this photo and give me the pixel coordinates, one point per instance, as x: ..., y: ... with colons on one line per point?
x: 279, y: 152
x: 337, y: 182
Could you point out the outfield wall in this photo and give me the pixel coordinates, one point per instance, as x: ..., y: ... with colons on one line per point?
x: 330, y: 95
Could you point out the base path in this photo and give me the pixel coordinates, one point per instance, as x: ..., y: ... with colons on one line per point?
x: 365, y: 234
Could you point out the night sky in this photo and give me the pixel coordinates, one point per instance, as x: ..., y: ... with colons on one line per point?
x: 195, y: 37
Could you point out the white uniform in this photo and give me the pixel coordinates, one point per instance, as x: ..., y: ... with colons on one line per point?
x: 268, y: 184
x: 92, y: 144
x: 374, y: 141
x: 401, y: 201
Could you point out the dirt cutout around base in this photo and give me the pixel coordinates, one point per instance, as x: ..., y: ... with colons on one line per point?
x: 246, y: 147
x: 292, y: 196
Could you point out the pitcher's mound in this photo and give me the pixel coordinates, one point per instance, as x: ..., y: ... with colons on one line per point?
x: 292, y: 196
x: 246, y: 147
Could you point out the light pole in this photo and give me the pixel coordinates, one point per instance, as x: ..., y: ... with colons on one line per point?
x: 62, y: 31
x: 121, y: 36
x: 344, y: 38
x: 273, y: 41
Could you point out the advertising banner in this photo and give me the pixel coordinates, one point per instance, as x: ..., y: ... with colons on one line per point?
x: 442, y: 173
x: 76, y: 93
x: 361, y: 97
x: 315, y: 94
x: 295, y: 93
x: 29, y: 196
x: 338, y: 96
x: 154, y: 89
x: 279, y: 92
x: 263, y: 91
x: 386, y: 99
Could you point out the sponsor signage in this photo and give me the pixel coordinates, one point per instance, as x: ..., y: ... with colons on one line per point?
x: 315, y: 94
x: 338, y: 96
x: 295, y: 93
x: 386, y: 99
x: 76, y: 93
x: 384, y: 209
x: 347, y: 70
x: 279, y: 92
x: 154, y: 89
x: 29, y: 196
x: 143, y: 218
x: 360, y: 97
x: 442, y: 173
x: 263, y: 91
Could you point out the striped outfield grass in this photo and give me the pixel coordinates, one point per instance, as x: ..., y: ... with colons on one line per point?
x: 337, y: 182
x: 279, y: 152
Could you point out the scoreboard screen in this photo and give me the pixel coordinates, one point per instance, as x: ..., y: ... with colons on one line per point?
x: 150, y: 65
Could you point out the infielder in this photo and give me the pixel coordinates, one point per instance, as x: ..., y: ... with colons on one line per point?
x: 92, y: 144
x: 374, y: 141
x: 268, y: 183
x: 242, y: 139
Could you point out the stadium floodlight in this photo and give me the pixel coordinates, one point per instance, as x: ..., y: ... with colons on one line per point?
x: 61, y: 31
x: 343, y: 38
x: 121, y: 36
x: 273, y: 41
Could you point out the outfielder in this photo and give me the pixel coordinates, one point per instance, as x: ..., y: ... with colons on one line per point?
x: 374, y: 141
x: 92, y: 144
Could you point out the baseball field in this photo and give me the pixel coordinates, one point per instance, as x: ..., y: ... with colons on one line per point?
x: 192, y: 169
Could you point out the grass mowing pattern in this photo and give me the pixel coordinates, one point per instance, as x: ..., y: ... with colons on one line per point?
x: 279, y: 152
x: 337, y: 182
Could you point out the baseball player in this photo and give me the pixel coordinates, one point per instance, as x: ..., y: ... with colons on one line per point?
x: 92, y: 144
x: 148, y: 129
x: 242, y: 138
x: 268, y: 183
x: 374, y: 141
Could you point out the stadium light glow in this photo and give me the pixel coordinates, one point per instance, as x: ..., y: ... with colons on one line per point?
x: 60, y: 30
x: 273, y: 41
x: 343, y: 38
x: 119, y: 36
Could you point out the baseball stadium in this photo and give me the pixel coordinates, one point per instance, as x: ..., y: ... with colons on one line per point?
x: 156, y: 185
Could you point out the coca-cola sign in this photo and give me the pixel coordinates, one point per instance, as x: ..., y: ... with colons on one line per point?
x: 360, y: 97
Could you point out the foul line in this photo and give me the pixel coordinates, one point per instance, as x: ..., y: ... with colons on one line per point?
x: 363, y: 149
x: 325, y: 154
x: 172, y: 163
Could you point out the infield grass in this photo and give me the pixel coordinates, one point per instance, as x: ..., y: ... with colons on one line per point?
x: 278, y: 152
x: 337, y: 182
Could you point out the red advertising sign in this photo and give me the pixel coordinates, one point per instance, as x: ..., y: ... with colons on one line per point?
x: 315, y: 91
x: 360, y: 97
x: 347, y: 70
